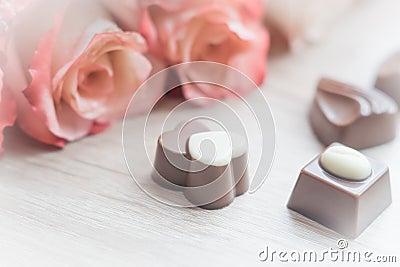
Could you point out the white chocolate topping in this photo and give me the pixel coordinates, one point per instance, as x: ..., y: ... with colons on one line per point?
x: 211, y: 148
x: 345, y: 162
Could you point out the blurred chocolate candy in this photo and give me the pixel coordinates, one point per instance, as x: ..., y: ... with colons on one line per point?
x: 352, y: 116
x: 210, y: 167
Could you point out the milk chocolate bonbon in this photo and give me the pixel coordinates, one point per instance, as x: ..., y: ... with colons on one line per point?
x: 352, y: 116
x: 210, y: 167
x: 347, y: 205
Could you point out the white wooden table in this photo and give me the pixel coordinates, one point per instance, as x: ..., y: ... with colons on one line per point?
x: 80, y: 207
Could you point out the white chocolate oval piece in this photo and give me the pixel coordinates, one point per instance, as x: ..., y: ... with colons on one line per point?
x: 211, y: 148
x: 345, y: 162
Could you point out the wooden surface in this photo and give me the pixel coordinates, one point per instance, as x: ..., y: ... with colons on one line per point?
x: 80, y: 207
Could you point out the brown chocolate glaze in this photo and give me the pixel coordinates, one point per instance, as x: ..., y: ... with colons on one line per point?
x: 355, y: 117
x: 388, y: 79
x: 343, y: 206
x: 211, y: 188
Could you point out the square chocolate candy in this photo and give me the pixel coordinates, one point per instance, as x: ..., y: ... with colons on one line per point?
x: 342, y: 190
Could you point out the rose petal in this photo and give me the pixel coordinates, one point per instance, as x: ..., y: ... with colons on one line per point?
x: 39, y: 95
x: 33, y: 126
x: 26, y: 41
x: 8, y: 110
x: 130, y: 69
x: 95, y: 80
x: 70, y: 124
x: 256, y: 54
x: 81, y: 21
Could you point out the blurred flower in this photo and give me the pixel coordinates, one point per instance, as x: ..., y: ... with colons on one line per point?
x: 73, y: 73
x: 227, y: 32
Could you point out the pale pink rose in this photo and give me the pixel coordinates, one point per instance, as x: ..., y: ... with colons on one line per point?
x: 74, y: 71
x: 7, y: 109
x: 227, y: 32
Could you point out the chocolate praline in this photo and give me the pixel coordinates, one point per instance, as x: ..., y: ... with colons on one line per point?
x: 347, y: 206
x: 356, y: 117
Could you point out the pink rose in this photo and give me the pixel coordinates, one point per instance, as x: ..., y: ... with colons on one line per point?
x: 74, y: 72
x: 228, y: 32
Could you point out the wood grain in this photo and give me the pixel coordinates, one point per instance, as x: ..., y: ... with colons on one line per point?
x: 80, y: 207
